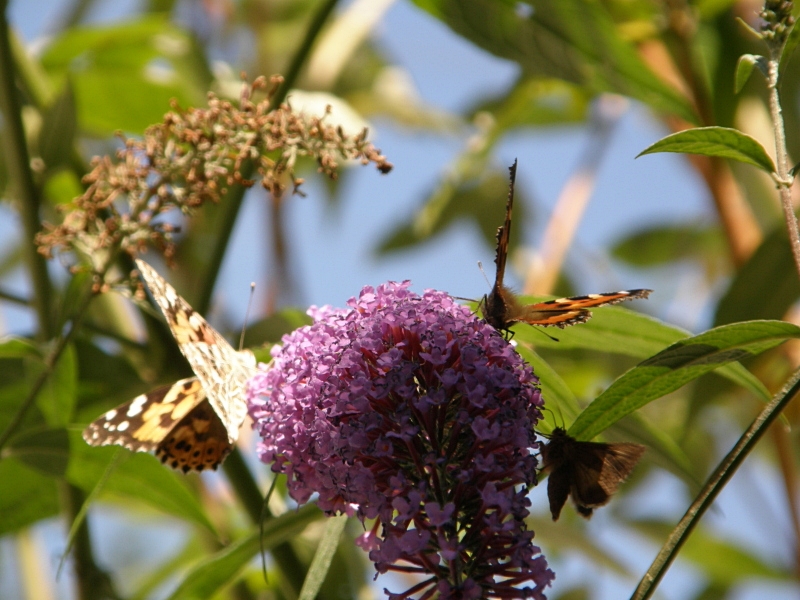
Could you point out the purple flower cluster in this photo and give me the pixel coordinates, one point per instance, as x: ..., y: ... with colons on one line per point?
x: 409, y: 410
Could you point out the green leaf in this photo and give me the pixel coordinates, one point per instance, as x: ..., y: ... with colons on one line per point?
x: 573, y: 40
x: 788, y: 49
x: 744, y: 68
x: 611, y: 329
x: 140, y: 477
x: 723, y: 142
x: 563, y: 407
x: 555, y: 391
x: 771, y: 267
x: 623, y: 331
x: 667, y: 244
x: 28, y: 496
x: 58, y: 395
x: 323, y: 557
x: 59, y: 124
x: 271, y: 329
x: 12, y: 347
x: 213, y: 574
x: 662, y: 448
x: 145, y: 63
x: 62, y: 187
x: 43, y: 449
x: 537, y: 101
x: 721, y: 561
x: 677, y: 365
x: 468, y: 192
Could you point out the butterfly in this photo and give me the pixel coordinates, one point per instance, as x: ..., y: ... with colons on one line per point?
x: 590, y: 472
x: 193, y: 423
x: 501, y: 309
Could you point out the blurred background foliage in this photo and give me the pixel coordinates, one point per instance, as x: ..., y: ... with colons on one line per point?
x: 153, y: 533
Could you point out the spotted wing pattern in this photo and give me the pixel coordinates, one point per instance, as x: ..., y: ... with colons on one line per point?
x: 222, y: 371
x: 176, y: 421
x: 193, y: 423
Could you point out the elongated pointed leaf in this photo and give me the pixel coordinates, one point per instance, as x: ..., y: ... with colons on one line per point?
x: 140, y: 477
x: 573, y: 40
x: 677, y: 365
x: 719, y: 559
x: 58, y: 396
x: 769, y: 268
x: 323, y: 557
x: 12, y: 347
x: 44, y: 449
x: 669, y: 243
x: 211, y: 575
x: 723, y: 142
x: 27, y: 496
x: 558, y: 397
x: 789, y: 47
x: 623, y: 331
x: 59, y: 125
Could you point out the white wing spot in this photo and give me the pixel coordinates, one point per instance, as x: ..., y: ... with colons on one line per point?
x: 111, y: 414
x: 123, y: 426
x: 136, y: 405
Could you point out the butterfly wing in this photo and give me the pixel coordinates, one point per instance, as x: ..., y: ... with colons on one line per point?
x: 174, y: 420
x: 599, y: 469
x: 495, y: 305
x: 569, y: 311
x: 590, y: 472
x: 222, y: 371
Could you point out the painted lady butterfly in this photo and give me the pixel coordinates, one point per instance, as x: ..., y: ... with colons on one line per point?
x: 501, y: 309
x: 193, y: 423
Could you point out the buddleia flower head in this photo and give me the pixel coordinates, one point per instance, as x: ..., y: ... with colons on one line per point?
x: 409, y: 411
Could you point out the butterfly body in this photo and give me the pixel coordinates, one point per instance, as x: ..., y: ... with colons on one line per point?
x: 589, y: 472
x: 501, y: 309
x: 193, y: 423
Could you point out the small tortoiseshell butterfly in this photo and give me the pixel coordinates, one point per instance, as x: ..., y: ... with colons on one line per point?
x: 501, y: 309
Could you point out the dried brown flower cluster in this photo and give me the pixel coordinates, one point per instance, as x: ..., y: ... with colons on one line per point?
x: 189, y: 159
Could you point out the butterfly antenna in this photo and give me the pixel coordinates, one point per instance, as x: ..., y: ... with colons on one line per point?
x: 544, y: 333
x: 558, y: 416
x: 480, y: 266
x: 247, y: 314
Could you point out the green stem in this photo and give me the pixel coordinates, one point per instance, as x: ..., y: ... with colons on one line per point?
x: 18, y: 164
x: 782, y: 177
x: 250, y: 496
x: 92, y: 581
x: 233, y: 200
x: 301, y: 56
x: 228, y: 211
x: 49, y: 364
x: 15, y: 298
x: 714, y: 486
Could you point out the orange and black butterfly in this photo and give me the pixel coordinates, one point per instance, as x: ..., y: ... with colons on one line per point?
x: 590, y: 472
x: 501, y: 309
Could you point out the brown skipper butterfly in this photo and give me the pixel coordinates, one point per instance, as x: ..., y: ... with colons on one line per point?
x: 590, y: 472
x: 501, y: 309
